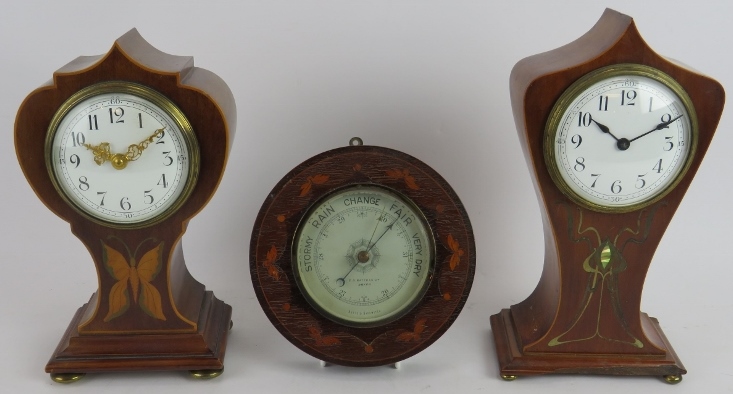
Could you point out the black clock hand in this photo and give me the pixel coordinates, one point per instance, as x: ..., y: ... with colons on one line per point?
x: 621, y: 143
x: 660, y: 126
x: 604, y: 129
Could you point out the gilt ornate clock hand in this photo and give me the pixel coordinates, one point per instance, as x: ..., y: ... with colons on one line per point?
x: 119, y: 160
x: 660, y: 126
x: 621, y: 143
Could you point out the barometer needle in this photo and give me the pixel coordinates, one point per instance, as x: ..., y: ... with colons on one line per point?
x: 385, y: 232
x: 342, y: 281
x: 379, y: 220
x: 365, y: 254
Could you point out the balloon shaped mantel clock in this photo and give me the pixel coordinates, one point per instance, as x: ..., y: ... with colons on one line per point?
x: 614, y: 134
x: 127, y: 147
x: 362, y: 256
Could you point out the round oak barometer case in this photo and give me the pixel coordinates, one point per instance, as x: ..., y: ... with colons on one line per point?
x: 122, y: 154
x: 362, y: 256
x: 620, y: 138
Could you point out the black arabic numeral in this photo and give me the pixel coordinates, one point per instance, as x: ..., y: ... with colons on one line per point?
x: 668, y: 144
x: 146, y: 195
x: 627, y: 98
x: 167, y: 159
x: 595, y: 180
x: 93, y: 122
x: 160, y: 138
x: 616, y: 187
x: 643, y: 182
x: 162, y: 181
x: 74, y: 159
x: 603, y: 103
x: 115, y: 116
x: 78, y: 139
x: 83, y: 183
x: 579, y: 164
x: 103, y: 194
x: 577, y: 140
x: 658, y: 167
x: 125, y: 204
x: 584, y: 119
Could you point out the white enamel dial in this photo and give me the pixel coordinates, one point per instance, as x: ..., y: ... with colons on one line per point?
x: 122, y: 154
x: 619, y: 139
x: 363, y: 256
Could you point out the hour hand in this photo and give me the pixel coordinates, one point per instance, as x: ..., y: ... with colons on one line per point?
x: 604, y: 129
x: 621, y: 143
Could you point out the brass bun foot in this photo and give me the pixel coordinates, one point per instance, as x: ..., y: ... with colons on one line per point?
x: 67, y: 377
x: 206, y: 374
x: 672, y: 379
x: 509, y: 378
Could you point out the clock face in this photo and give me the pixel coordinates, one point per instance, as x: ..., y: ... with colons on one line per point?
x: 122, y: 154
x: 620, y: 138
x: 363, y: 256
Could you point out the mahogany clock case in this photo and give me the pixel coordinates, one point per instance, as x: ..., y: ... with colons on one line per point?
x: 584, y: 315
x: 177, y: 323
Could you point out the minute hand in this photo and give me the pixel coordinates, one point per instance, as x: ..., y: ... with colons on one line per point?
x: 660, y: 126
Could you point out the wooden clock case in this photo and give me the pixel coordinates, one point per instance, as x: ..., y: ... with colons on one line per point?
x: 190, y: 332
x: 271, y: 256
x: 610, y: 334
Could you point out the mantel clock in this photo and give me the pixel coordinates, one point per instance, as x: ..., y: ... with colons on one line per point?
x: 614, y: 134
x: 127, y: 147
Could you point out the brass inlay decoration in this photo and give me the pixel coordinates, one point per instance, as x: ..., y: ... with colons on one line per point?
x: 603, y: 266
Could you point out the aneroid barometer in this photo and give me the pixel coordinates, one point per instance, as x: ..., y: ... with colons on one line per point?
x: 362, y: 256
x: 615, y: 134
x: 127, y: 147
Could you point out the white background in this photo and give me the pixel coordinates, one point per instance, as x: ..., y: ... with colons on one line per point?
x: 429, y: 78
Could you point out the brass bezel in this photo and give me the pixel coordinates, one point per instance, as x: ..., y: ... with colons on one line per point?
x: 165, y: 105
x: 405, y: 308
x: 577, y: 88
